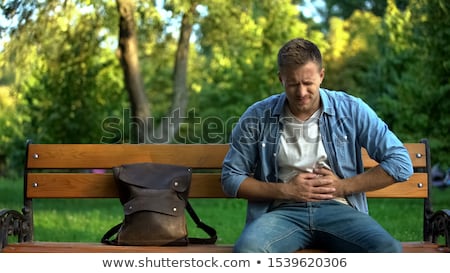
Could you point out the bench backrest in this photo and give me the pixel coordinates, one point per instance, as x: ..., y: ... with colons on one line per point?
x: 84, y: 170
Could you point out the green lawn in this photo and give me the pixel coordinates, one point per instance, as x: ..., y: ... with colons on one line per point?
x: 87, y: 220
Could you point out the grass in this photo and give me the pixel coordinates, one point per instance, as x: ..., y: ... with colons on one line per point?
x: 87, y: 220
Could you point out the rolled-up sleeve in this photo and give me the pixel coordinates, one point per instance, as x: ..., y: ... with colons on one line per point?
x: 232, y: 175
x: 397, y: 163
x: 384, y: 146
x: 241, y: 158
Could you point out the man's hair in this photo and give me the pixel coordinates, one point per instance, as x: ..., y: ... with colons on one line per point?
x: 298, y: 52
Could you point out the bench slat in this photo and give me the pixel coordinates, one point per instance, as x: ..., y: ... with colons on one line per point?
x: 86, y: 156
x: 85, y: 185
x: 204, y: 185
x: 415, y: 187
x: 99, y: 156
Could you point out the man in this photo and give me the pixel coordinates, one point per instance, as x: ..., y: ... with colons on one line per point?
x: 296, y: 158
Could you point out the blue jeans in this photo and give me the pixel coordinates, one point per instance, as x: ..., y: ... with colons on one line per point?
x: 328, y: 225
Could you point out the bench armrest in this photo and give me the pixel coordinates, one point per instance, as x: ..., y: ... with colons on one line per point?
x: 440, y: 225
x: 13, y: 223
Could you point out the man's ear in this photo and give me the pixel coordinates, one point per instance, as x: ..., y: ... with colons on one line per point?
x: 322, y: 75
x: 279, y: 77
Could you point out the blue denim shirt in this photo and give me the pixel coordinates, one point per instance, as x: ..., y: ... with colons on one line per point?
x: 346, y: 125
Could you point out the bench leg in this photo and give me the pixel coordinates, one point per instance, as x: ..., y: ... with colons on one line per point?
x: 440, y: 226
x: 13, y: 223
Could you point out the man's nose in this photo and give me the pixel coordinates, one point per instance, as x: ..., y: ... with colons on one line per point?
x: 302, y: 90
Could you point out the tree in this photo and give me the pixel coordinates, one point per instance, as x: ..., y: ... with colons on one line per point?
x: 239, y: 54
x: 353, y: 49
x: 63, y: 86
x: 129, y: 59
x: 409, y: 82
x: 128, y: 48
x: 344, y: 8
x: 195, y: 66
x: 180, y: 98
x: 426, y: 82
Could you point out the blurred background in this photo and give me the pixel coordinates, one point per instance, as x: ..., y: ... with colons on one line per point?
x: 104, y: 71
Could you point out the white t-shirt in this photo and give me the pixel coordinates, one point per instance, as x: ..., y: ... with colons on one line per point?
x: 301, y: 147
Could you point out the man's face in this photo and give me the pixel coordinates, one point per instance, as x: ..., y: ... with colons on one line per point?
x: 301, y: 85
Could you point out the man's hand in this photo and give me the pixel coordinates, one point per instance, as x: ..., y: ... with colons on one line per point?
x: 335, y: 181
x: 319, y: 185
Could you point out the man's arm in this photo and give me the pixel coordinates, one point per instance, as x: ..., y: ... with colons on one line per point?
x: 373, y: 179
x: 320, y: 185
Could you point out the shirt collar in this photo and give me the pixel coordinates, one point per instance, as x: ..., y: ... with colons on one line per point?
x: 325, y: 100
x: 279, y: 106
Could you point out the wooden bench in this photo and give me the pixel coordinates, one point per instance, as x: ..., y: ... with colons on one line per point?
x: 58, y: 171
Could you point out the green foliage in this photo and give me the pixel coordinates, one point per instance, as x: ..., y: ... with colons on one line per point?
x: 412, y: 76
x: 10, y: 126
x: 345, y: 8
x: 65, y: 84
x: 353, y: 49
x: 432, y: 29
x: 240, y: 54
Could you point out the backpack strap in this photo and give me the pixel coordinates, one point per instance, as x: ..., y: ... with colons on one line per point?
x: 208, y: 229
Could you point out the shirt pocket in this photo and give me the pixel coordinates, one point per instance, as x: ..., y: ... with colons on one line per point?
x: 344, y: 150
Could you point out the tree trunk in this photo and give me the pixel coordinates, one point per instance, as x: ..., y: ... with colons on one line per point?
x: 128, y: 54
x: 140, y: 108
x: 170, y: 127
